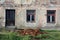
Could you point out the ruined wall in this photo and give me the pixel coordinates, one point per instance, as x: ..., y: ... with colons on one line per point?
x: 41, y: 8
x: 2, y: 17
x: 22, y: 18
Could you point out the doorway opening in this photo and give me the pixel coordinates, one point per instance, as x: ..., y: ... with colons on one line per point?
x: 10, y: 17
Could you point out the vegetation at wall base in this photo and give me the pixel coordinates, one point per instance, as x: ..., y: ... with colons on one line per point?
x: 50, y: 35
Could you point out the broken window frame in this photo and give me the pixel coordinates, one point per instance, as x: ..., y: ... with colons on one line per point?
x: 51, y: 19
x: 31, y: 14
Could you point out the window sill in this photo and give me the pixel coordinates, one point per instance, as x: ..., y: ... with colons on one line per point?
x: 31, y: 22
x: 51, y: 22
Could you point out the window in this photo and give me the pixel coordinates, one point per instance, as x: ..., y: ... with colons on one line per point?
x: 30, y: 15
x: 10, y: 17
x: 51, y: 16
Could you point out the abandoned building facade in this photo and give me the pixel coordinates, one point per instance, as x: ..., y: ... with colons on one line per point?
x: 29, y: 13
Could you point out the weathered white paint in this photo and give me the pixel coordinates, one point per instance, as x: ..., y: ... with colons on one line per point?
x: 40, y: 15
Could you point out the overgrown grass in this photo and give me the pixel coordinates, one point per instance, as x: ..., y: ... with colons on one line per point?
x: 51, y: 35
x: 13, y: 36
x: 51, y: 30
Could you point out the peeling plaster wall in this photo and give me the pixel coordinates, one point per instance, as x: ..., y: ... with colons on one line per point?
x: 2, y: 17
x: 40, y: 16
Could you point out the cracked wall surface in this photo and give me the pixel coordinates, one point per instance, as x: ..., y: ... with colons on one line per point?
x: 41, y: 7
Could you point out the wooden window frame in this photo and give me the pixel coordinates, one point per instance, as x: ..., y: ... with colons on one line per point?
x: 32, y: 14
x: 51, y: 15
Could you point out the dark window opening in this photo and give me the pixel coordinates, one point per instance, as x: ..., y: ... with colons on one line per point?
x: 51, y: 16
x: 10, y: 17
x: 33, y: 18
x: 48, y: 18
x: 30, y: 15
